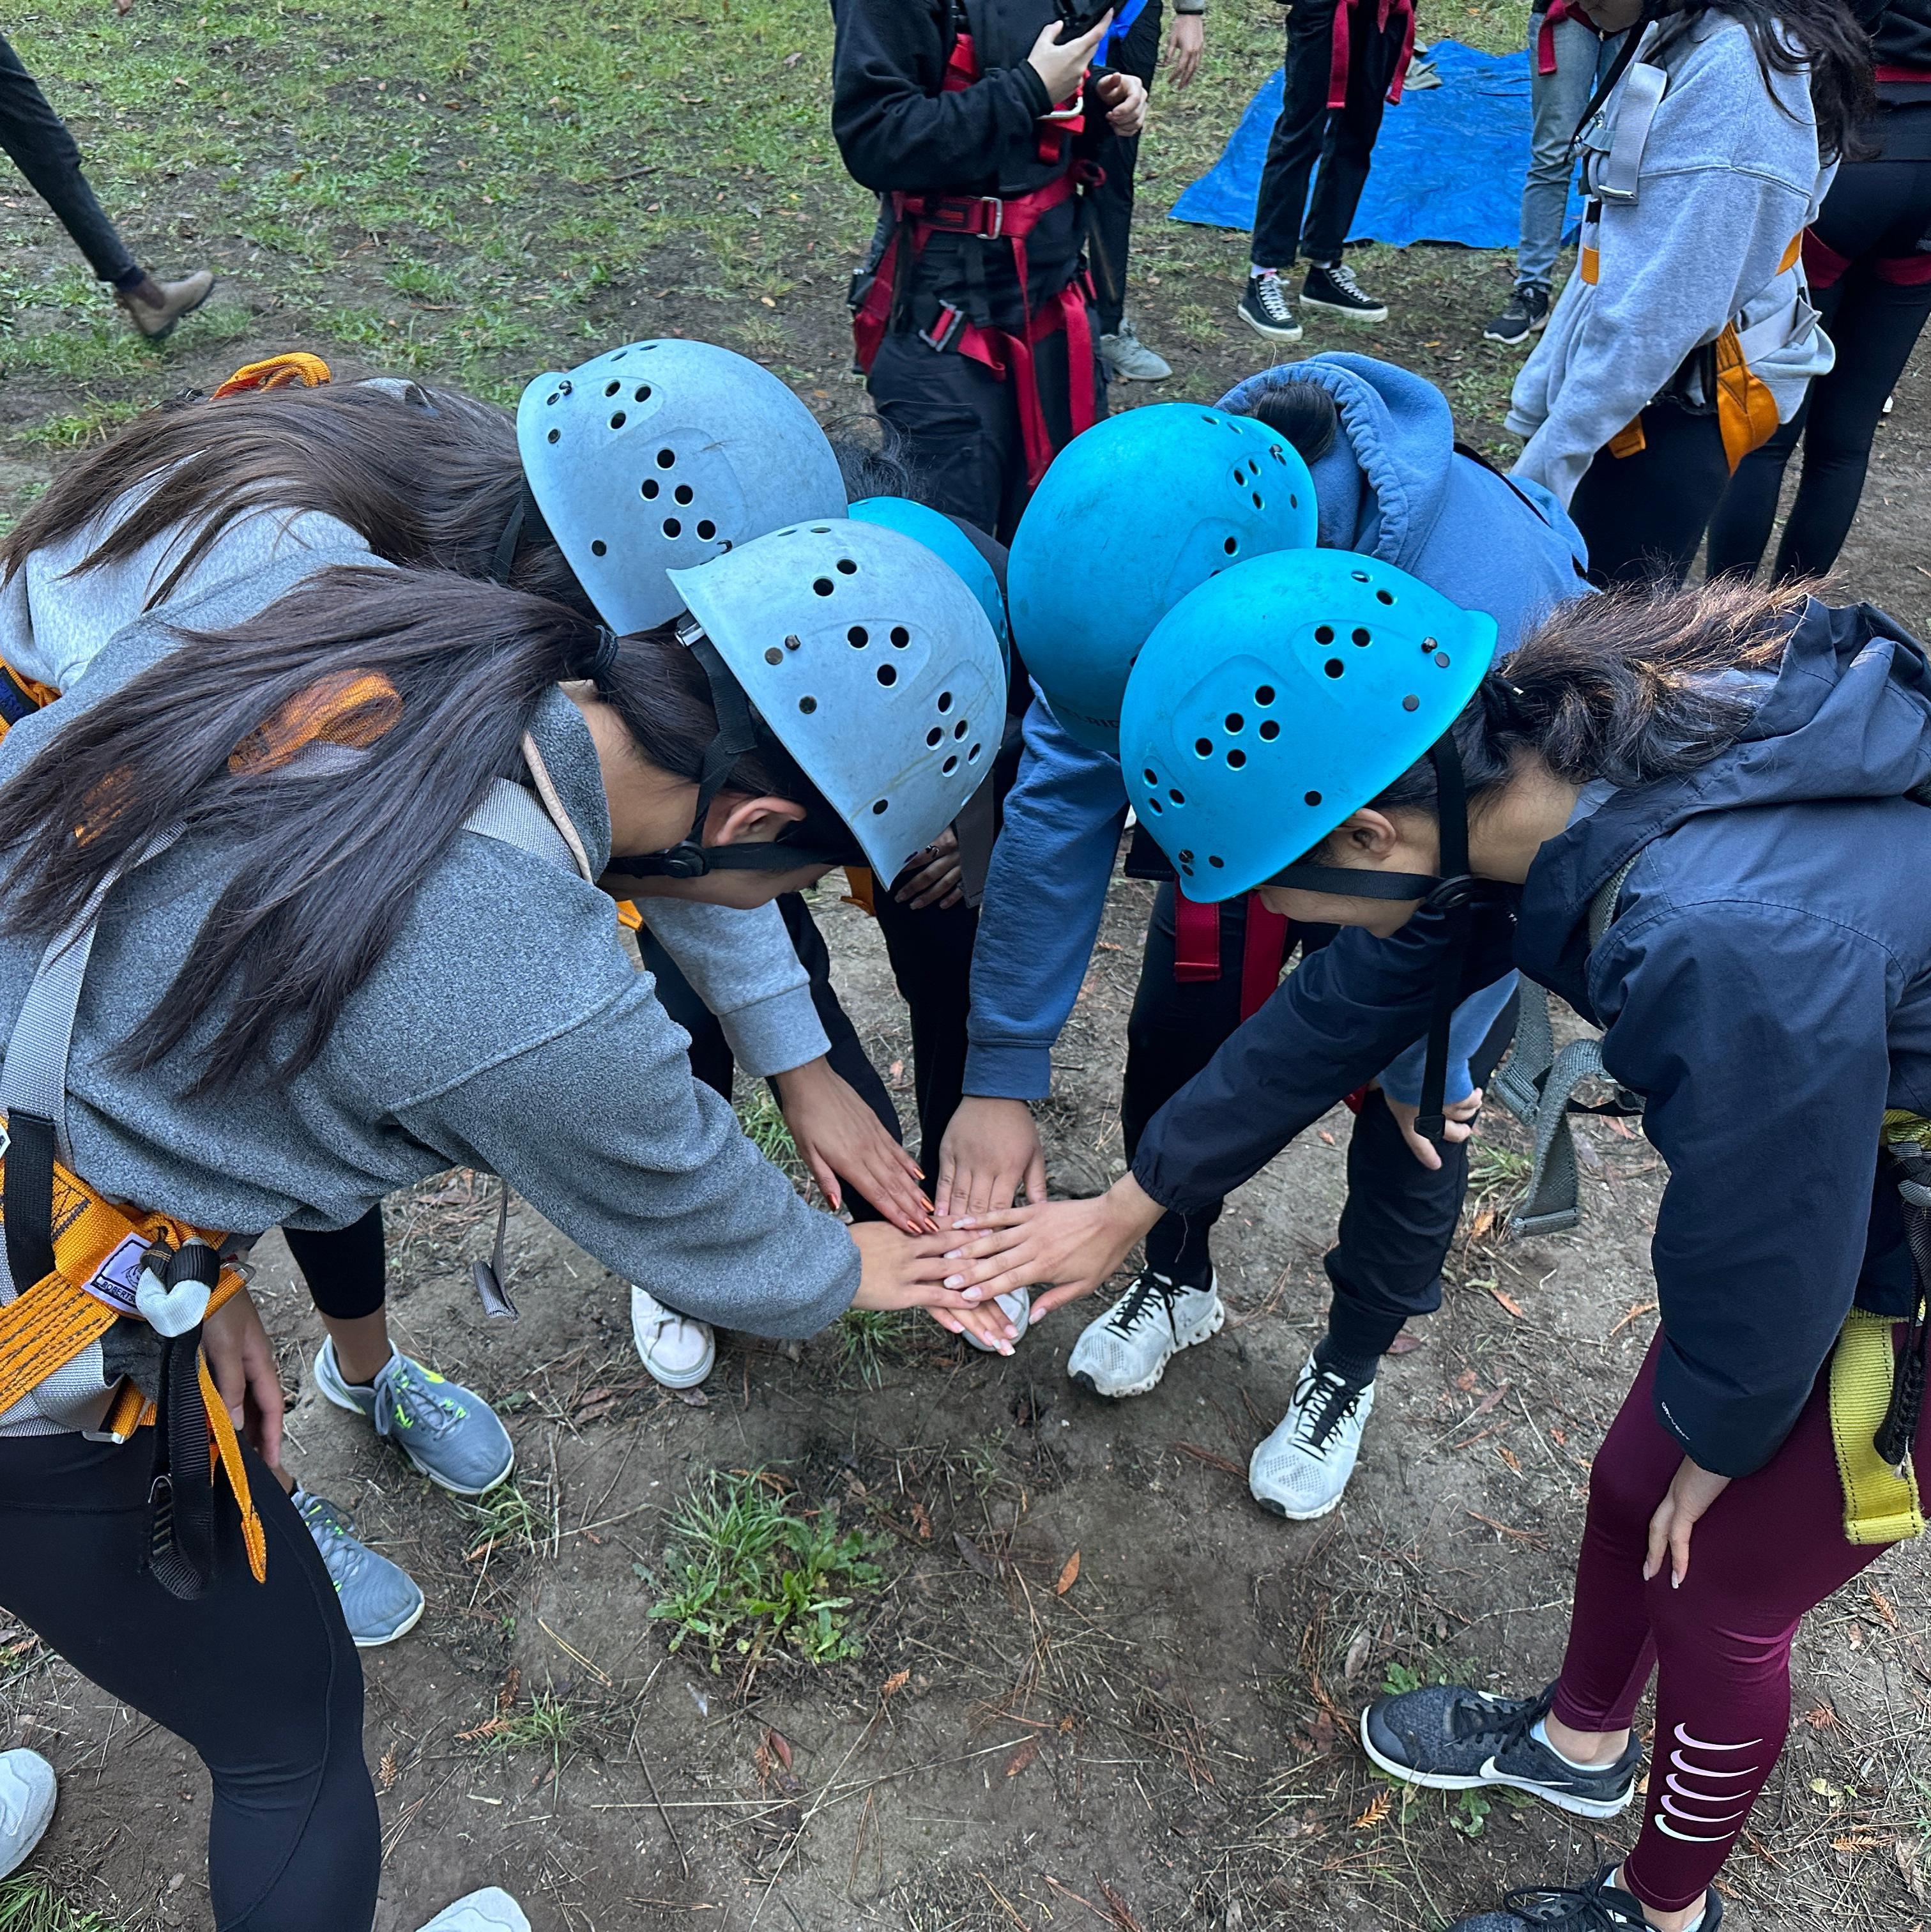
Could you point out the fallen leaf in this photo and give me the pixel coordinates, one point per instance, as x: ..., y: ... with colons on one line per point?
x: 1327, y: 1136
x: 1321, y: 1731
x: 1509, y: 1456
x: 386, y: 1773
x: 780, y: 1748
x: 974, y: 1555
x: 1881, y: 1603
x: 1560, y: 1437
x: 1069, y: 1576
x: 793, y: 59
x: 1507, y: 1300
x: 1022, y: 1757
x: 1484, y: 1222
x: 694, y: 1398
x: 1378, y: 1808
x: 1405, y: 1344
x: 895, y: 1683
x: 922, y: 1521
x: 1357, y: 1655
x: 1488, y: 1402
x: 1465, y: 1381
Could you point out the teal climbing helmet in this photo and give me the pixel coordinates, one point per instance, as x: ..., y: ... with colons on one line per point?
x: 662, y: 455
x: 1283, y: 695
x: 1131, y: 516
x: 949, y: 545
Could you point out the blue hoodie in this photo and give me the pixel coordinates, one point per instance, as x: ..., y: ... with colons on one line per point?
x: 1766, y: 987
x: 1393, y: 487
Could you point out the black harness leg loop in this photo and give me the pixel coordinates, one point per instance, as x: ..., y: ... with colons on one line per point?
x: 29, y: 1198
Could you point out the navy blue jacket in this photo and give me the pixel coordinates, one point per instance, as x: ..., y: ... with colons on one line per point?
x: 1766, y: 987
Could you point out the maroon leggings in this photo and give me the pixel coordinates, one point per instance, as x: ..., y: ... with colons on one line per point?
x: 1771, y: 1547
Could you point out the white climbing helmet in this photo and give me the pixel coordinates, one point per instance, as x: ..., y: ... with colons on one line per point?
x: 871, y: 663
x: 662, y: 455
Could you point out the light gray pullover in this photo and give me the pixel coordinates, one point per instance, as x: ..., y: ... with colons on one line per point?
x: 526, y: 1044
x: 53, y: 623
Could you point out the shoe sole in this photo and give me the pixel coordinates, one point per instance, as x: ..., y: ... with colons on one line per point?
x: 1267, y: 331
x: 1436, y: 1780
x: 355, y: 1408
x: 1205, y: 1333
x: 1114, y: 375
x: 1342, y: 309
x: 1514, y: 341
x: 402, y: 1631
x: 1287, y: 1515
x: 689, y: 1379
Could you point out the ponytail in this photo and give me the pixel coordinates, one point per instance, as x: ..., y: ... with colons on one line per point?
x: 431, y: 680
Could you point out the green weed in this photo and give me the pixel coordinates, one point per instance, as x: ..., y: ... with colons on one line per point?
x: 94, y: 424
x: 507, y: 1518
x: 747, y: 1572
x: 1469, y: 1814
x: 763, y: 1124
x: 550, y: 1724
x: 868, y: 1340
x: 29, y: 1902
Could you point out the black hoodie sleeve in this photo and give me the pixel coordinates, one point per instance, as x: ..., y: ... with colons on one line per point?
x: 1333, y: 1023
x: 895, y: 125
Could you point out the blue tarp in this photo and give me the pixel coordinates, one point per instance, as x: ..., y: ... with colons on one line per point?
x: 1449, y: 166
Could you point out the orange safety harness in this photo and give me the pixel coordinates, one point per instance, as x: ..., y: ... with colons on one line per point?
x: 1007, y: 353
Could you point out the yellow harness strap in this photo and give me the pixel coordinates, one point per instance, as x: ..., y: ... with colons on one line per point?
x: 1880, y: 1506
x: 278, y: 372
x: 862, y: 888
x: 1745, y: 410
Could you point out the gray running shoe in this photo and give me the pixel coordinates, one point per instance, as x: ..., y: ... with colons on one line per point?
x: 1597, y: 1906
x: 1128, y: 359
x: 1300, y: 1471
x: 379, y: 1601
x: 491, y: 1909
x: 28, y: 1790
x: 1450, y: 1737
x: 1126, y: 1350
x: 449, y: 1432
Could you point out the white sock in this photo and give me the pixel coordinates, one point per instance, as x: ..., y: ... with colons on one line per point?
x: 1616, y: 1880
x: 1540, y: 1734
x: 1253, y: 273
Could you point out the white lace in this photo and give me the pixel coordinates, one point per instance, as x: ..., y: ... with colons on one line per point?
x: 1273, y: 302
x: 1342, y: 276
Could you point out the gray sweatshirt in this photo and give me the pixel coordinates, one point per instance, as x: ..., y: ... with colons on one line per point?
x: 527, y: 1044
x: 52, y: 623
x: 1729, y: 177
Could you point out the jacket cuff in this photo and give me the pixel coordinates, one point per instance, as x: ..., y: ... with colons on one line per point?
x: 775, y: 1034
x: 1038, y: 100
x: 1008, y: 1070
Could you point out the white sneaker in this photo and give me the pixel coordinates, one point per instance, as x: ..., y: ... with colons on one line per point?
x: 492, y: 1909
x: 27, y: 1793
x: 1127, y: 1350
x: 1128, y: 359
x: 679, y: 1352
x: 1300, y: 1470
x: 1016, y: 1305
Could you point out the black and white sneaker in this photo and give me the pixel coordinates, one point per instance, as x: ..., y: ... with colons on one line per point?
x: 1600, y: 1905
x: 1332, y: 286
x: 1267, y: 309
x: 1526, y: 315
x: 1450, y: 1737
x: 1300, y: 1470
x: 1126, y: 1350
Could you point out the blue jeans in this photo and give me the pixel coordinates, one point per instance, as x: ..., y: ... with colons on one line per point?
x: 1556, y: 103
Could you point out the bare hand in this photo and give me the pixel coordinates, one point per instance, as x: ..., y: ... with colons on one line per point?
x: 1058, y: 65
x: 991, y: 1152
x: 1459, y: 1118
x: 1691, y: 1491
x: 837, y: 1134
x: 1185, y: 45
x: 901, y: 1271
x: 1124, y: 97
x: 1070, y: 1246
x: 937, y: 882
x: 242, y: 1361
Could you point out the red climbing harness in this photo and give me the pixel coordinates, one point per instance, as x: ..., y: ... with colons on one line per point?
x: 1196, y: 948
x: 1007, y: 353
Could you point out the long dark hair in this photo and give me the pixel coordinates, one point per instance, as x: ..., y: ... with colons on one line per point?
x: 432, y: 678
x: 1625, y: 687
x: 424, y: 476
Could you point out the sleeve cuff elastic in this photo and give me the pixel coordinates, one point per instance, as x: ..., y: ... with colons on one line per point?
x: 774, y: 1035
x: 1008, y: 1071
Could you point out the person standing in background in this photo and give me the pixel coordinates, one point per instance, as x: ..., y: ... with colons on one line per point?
x: 1133, y: 47
x: 1569, y: 56
x: 37, y: 142
x: 1346, y: 59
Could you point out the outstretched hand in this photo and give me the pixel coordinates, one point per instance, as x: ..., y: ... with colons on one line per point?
x: 907, y: 1271
x: 991, y: 1152
x: 836, y: 1133
x: 1069, y: 1246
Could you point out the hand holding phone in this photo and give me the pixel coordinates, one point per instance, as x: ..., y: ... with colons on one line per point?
x: 1060, y: 63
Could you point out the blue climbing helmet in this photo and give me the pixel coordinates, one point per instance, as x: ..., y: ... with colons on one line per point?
x: 949, y: 544
x: 662, y: 455
x: 871, y: 663
x: 1131, y: 516
x: 1281, y: 696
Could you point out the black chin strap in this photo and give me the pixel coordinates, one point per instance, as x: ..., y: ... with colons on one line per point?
x: 737, y: 733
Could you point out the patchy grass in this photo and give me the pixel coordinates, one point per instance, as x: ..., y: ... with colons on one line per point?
x: 869, y: 1340
x: 763, y: 1123
x: 31, y: 1903
x: 748, y: 1574
x: 95, y: 423
x: 507, y: 1519
x: 548, y: 1723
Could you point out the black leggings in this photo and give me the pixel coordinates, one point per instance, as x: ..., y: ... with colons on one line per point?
x: 261, y: 1678
x: 1399, y: 1216
x: 1870, y: 226
x: 37, y: 142
x: 1644, y: 516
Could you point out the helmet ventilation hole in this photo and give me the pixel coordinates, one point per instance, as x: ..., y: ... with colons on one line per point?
x: 1152, y: 777
x: 1334, y: 668
x: 934, y: 739
x: 951, y: 765
x: 600, y: 548
x: 1178, y: 797
x: 900, y: 636
x: 683, y: 493
x: 1411, y: 703
x: 960, y: 728
x: 618, y: 421
x: 1360, y: 576
x: 1236, y: 759
x: 1204, y: 747
x: 643, y: 393
x: 846, y: 568
x: 707, y: 530
x: 1264, y: 694
x: 858, y: 636
x: 555, y: 436
x: 888, y: 675
x: 1154, y: 804
x: 672, y: 527
x: 945, y: 700
x: 1270, y: 730
x: 1324, y: 634
x: 823, y: 585
x: 1313, y: 798
x: 648, y: 488
x: 1232, y: 544
x: 1214, y: 859
x: 611, y: 389
x: 1293, y: 502
x: 1235, y: 722
x: 878, y: 807
x: 971, y: 755
x: 1257, y: 504
x: 1384, y: 596
x: 1362, y: 636
x: 667, y: 459
x: 808, y: 705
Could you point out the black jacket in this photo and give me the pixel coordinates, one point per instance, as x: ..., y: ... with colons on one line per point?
x: 1901, y: 35
x: 899, y: 129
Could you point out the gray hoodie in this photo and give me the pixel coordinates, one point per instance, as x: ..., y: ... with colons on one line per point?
x: 1729, y: 177
x: 527, y: 1044
x: 52, y: 624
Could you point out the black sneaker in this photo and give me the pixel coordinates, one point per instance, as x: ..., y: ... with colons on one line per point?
x: 1452, y: 1738
x: 1597, y: 1906
x: 1527, y: 313
x: 1267, y: 309
x: 1333, y: 287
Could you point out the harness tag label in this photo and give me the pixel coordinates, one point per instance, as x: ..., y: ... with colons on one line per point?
x: 118, y: 1277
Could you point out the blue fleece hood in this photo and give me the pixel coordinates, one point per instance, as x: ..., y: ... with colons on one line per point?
x: 1395, y: 487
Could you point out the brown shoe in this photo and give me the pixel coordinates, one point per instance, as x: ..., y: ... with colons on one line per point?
x: 154, y: 308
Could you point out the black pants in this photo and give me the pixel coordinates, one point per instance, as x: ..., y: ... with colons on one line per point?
x: 1110, y: 205
x: 37, y: 142
x: 261, y: 1678
x: 960, y: 425
x: 931, y: 951
x: 1875, y: 217
x: 1644, y: 516
x: 1342, y: 140
x: 344, y: 1267
x: 1400, y: 1218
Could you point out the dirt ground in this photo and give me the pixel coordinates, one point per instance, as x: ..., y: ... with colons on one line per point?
x: 1165, y: 1743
